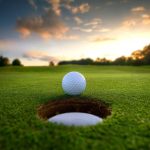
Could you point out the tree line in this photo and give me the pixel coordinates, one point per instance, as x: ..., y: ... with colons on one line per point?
x: 4, y: 61
x: 137, y: 58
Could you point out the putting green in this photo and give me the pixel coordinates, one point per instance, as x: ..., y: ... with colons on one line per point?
x: 125, y: 89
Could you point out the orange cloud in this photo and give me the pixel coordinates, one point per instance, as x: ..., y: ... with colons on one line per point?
x: 146, y: 19
x: 129, y: 23
x: 138, y: 9
x: 55, y: 6
x: 78, y: 20
x: 103, y: 30
x: 5, y: 44
x: 24, y: 31
x: 71, y: 37
x: 100, y: 39
x: 89, y: 26
x: 93, y: 22
x: 39, y: 55
x: 83, y: 8
x: 49, y: 25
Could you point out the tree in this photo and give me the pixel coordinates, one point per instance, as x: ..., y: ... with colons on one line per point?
x: 51, y: 63
x: 146, y: 53
x: 98, y: 59
x: 141, y: 57
x: 86, y: 61
x: 16, y: 62
x: 102, y: 61
x: 136, y: 58
x: 4, y: 61
x: 137, y: 55
x: 1, y: 60
x: 120, y: 60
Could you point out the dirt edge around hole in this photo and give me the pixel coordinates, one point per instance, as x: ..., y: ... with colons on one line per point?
x: 73, y: 104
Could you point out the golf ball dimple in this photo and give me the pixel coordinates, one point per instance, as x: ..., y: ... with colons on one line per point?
x: 73, y: 83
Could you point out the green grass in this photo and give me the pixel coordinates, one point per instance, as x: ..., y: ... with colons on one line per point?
x: 126, y: 89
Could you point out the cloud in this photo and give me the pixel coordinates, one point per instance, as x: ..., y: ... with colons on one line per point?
x: 78, y: 20
x: 33, y: 4
x: 125, y: 1
x: 5, y: 44
x: 109, y: 3
x: 24, y: 31
x: 100, y: 39
x: 83, y: 29
x: 83, y: 8
x: 138, y: 22
x: 39, y: 55
x: 103, y: 30
x: 94, y: 21
x: 89, y: 26
x: 55, y: 6
x: 58, y: 4
x: 138, y: 9
x: 129, y: 23
x: 86, y: 30
x: 71, y: 37
x: 48, y: 26
x: 146, y: 19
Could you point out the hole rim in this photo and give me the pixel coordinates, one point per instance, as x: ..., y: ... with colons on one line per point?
x: 74, y: 104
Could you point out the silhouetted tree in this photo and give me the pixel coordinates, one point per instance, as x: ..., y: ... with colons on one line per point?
x: 4, y: 61
x: 98, y: 59
x: 102, y: 61
x: 120, y: 60
x: 129, y: 60
x: 141, y: 57
x: 16, y: 62
x: 51, y: 63
x: 146, y: 53
x: 1, y: 60
x: 137, y: 55
x: 86, y: 61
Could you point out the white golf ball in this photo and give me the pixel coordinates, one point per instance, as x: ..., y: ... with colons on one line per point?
x: 73, y: 83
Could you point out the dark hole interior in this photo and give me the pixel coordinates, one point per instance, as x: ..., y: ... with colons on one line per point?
x: 74, y: 104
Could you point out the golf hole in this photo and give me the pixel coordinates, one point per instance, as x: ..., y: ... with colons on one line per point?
x: 74, y: 111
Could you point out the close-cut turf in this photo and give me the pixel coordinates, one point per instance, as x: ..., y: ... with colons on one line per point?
x: 125, y: 89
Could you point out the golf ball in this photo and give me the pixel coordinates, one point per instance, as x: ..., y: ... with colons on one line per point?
x: 73, y: 83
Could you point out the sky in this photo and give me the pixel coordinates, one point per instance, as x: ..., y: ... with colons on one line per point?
x: 40, y: 31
